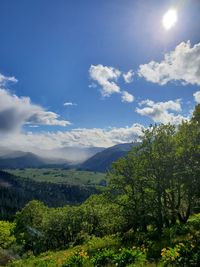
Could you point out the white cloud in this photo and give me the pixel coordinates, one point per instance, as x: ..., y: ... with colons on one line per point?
x: 161, y: 112
x: 4, y: 79
x: 126, y: 97
x: 128, y: 77
x: 69, y: 104
x: 106, y: 77
x: 197, y: 97
x: 182, y: 64
x: 16, y: 111
x: 38, y: 142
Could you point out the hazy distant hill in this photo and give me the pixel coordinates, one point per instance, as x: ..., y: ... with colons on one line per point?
x: 75, y: 155
x: 103, y: 160
x: 61, y: 157
x: 93, y: 158
x: 20, y: 159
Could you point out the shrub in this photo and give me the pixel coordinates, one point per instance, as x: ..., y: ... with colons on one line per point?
x: 7, y: 237
x: 121, y: 258
x: 184, y: 254
x: 103, y: 258
x: 130, y: 256
x: 194, y: 221
x: 78, y: 259
x: 171, y: 255
x: 96, y: 243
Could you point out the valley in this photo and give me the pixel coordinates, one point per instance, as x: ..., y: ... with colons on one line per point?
x: 60, y: 176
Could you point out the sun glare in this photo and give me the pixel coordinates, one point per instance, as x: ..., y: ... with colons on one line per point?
x: 169, y: 19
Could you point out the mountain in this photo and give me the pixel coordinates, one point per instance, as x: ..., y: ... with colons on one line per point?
x: 63, y: 157
x: 103, y: 160
x: 19, y: 159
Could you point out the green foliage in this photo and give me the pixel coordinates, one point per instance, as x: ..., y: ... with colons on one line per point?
x: 182, y: 254
x: 7, y: 238
x: 77, y: 259
x: 194, y: 221
x: 130, y: 256
x: 96, y: 244
x: 123, y: 257
x: 171, y: 255
x: 97, y: 213
x: 104, y: 257
x: 196, y: 114
x: 158, y: 182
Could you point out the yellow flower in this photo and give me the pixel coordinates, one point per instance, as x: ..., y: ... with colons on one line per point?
x: 177, y: 254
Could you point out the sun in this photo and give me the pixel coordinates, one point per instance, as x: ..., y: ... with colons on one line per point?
x: 169, y: 19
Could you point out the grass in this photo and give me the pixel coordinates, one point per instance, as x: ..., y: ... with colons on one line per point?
x: 60, y: 176
x: 58, y: 258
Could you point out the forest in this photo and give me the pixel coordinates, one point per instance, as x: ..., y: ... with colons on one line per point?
x: 16, y: 192
x: 147, y: 215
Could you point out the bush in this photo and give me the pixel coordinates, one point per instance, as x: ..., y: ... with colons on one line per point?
x: 76, y: 260
x: 121, y: 258
x: 184, y: 254
x: 7, y: 237
x: 171, y: 255
x: 130, y: 256
x: 194, y: 221
x: 96, y: 243
x: 103, y: 258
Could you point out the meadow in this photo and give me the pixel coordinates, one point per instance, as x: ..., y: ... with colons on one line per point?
x: 61, y: 176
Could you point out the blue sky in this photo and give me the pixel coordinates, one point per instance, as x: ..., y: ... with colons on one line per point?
x: 49, y: 46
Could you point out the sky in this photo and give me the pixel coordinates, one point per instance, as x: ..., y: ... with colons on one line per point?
x: 94, y: 73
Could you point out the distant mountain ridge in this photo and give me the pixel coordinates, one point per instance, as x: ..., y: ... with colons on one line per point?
x: 60, y: 157
x: 21, y: 160
x: 98, y: 159
x: 103, y: 160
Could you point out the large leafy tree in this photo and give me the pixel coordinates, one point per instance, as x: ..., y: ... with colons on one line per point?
x: 158, y: 182
x: 188, y: 166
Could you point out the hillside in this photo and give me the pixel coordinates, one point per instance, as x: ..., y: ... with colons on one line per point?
x: 103, y: 160
x: 15, y: 192
x: 21, y: 160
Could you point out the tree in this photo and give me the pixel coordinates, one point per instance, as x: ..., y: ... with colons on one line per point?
x: 29, y: 225
x: 158, y: 181
x: 101, y: 216
x: 188, y: 165
x: 196, y: 114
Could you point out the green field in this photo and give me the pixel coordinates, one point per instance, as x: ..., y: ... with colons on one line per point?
x: 61, y: 176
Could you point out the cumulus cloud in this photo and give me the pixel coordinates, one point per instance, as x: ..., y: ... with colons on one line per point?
x: 197, y: 97
x: 126, y: 97
x: 182, y: 64
x: 106, y: 77
x: 4, y: 79
x: 16, y: 111
x: 161, y: 112
x: 128, y: 77
x: 69, y: 104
